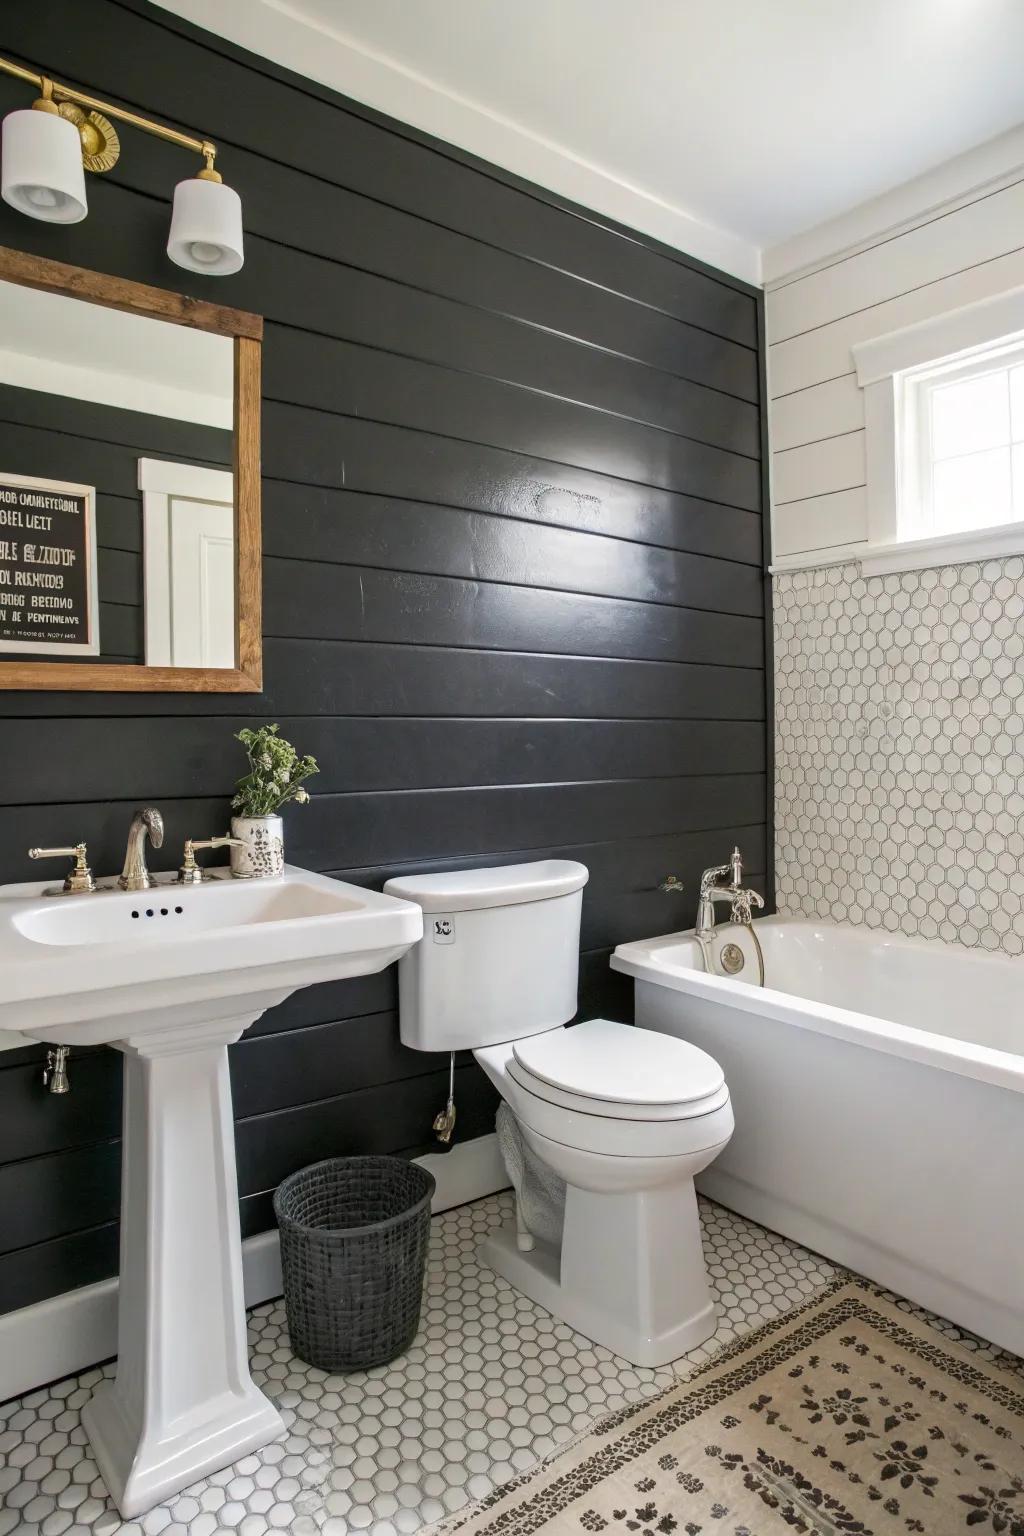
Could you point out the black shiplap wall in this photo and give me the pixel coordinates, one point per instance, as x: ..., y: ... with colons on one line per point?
x: 513, y: 583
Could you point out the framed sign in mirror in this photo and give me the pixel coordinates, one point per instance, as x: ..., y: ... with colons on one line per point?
x: 129, y: 486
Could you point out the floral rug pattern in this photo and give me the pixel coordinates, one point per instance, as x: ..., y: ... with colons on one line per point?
x: 847, y: 1418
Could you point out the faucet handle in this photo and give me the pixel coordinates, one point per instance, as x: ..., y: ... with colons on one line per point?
x: 671, y: 883
x: 190, y: 873
x: 55, y: 1073
x: 78, y: 879
x: 742, y: 902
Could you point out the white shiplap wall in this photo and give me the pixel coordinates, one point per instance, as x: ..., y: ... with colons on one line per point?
x: 949, y: 258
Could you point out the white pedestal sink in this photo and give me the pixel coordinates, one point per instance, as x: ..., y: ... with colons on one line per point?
x: 170, y: 977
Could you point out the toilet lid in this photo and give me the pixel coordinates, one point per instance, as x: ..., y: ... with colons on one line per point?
x: 620, y: 1064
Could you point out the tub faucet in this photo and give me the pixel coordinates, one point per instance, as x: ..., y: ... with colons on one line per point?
x: 147, y: 822
x: 711, y: 890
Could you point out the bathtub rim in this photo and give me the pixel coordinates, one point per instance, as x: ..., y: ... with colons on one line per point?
x: 1003, y: 1069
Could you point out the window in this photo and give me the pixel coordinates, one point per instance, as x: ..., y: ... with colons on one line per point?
x: 962, y: 450
x: 944, y: 437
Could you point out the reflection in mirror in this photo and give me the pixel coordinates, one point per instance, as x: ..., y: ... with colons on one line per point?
x: 117, y: 523
x: 189, y: 564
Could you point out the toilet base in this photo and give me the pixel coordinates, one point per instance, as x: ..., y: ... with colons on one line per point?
x: 630, y: 1274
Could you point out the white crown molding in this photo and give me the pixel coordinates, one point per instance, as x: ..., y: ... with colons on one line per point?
x: 275, y: 30
x: 986, y: 168
x: 69, y: 1333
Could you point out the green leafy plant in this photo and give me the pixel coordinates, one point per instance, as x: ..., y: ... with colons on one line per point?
x: 276, y: 773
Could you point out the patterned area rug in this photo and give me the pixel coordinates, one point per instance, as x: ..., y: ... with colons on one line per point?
x: 848, y: 1416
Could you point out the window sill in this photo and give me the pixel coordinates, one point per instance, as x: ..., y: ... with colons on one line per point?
x: 913, y: 554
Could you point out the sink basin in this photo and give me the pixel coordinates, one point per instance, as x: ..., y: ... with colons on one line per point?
x: 170, y: 977
x: 75, y: 966
x: 216, y: 904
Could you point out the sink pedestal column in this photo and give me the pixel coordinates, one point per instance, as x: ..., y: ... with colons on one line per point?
x: 183, y: 1404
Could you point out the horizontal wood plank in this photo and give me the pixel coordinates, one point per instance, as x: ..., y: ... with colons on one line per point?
x: 196, y: 756
x: 312, y: 600
x: 623, y: 553
x: 954, y: 241
x: 272, y: 1146
x: 416, y: 824
x: 337, y: 678
x: 822, y: 522
x: 34, y: 1274
x: 303, y: 367
x: 338, y: 387
x: 833, y: 464
x: 823, y: 410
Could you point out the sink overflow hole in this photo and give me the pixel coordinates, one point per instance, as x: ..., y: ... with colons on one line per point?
x: 164, y: 912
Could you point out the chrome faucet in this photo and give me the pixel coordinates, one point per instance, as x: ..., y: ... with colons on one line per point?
x: 146, y: 822
x: 55, y: 1073
x: 711, y: 890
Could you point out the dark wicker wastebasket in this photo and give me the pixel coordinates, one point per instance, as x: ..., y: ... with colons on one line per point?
x: 354, y: 1236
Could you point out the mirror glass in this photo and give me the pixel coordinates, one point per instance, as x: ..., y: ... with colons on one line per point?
x: 117, y: 522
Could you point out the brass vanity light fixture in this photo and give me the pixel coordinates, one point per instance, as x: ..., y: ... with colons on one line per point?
x: 48, y: 147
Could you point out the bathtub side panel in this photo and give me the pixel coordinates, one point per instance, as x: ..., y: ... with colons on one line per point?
x: 906, y: 1173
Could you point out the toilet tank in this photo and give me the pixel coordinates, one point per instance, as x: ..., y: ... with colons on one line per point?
x: 499, y: 957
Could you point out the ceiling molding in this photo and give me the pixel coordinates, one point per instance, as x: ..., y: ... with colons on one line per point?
x: 997, y: 163
x: 272, y: 29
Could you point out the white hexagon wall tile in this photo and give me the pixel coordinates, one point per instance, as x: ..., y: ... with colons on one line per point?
x: 899, y: 743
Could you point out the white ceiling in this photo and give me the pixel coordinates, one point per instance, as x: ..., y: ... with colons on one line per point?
x: 67, y: 346
x: 725, y: 126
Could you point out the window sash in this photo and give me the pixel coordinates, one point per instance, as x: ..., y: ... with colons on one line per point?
x: 915, y: 393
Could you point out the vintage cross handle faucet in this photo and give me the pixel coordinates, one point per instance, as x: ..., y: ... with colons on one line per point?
x: 741, y: 900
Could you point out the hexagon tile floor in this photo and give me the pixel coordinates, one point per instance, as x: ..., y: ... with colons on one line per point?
x: 491, y: 1385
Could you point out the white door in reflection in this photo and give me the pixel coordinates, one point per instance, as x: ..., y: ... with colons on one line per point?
x: 202, y: 583
x: 189, y: 560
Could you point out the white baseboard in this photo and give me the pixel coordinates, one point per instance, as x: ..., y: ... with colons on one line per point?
x: 66, y: 1334
x: 468, y: 1172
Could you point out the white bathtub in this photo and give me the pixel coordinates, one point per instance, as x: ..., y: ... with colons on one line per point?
x: 878, y: 1087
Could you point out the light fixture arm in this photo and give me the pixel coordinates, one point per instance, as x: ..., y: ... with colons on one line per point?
x: 61, y: 92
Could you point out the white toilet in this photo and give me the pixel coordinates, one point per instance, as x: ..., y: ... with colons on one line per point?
x: 625, y: 1116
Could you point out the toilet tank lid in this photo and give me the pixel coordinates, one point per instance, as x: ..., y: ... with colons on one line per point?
x: 465, y: 890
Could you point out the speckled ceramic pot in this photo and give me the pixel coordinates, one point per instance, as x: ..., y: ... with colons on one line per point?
x: 261, y: 855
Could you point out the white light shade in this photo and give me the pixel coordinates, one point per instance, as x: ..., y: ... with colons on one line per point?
x: 206, y: 227
x: 42, y: 167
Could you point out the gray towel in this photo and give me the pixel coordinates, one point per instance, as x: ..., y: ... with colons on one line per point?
x: 541, y: 1193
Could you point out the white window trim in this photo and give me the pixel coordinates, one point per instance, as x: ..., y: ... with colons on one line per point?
x: 913, y: 554
x: 879, y: 362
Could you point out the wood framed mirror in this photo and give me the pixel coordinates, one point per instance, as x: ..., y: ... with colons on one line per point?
x: 130, y: 531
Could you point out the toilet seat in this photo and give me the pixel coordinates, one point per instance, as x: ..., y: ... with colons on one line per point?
x: 618, y: 1072
x: 615, y: 1132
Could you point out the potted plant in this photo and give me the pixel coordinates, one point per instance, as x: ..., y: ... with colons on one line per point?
x: 276, y: 775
